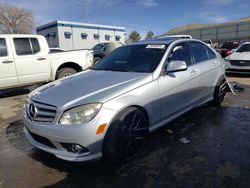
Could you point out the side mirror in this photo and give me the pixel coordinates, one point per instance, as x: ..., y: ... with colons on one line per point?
x: 174, y: 66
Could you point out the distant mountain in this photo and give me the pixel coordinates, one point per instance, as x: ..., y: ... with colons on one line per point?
x: 196, y: 26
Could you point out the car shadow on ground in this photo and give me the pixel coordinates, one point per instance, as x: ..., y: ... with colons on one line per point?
x: 192, y: 151
x: 4, y: 93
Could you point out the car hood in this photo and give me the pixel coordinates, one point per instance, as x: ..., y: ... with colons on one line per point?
x: 88, y: 87
x: 239, y: 56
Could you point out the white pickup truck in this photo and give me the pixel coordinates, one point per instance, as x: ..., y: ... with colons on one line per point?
x: 26, y: 59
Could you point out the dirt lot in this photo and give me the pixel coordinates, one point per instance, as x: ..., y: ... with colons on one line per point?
x: 218, y: 154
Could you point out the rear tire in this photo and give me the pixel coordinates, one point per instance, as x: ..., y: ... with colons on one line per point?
x: 127, y: 131
x: 96, y: 60
x: 218, y: 95
x: 64, y: 72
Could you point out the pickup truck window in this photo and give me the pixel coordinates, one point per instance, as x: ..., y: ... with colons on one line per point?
x: 26, y: 46
x: 3, y: 48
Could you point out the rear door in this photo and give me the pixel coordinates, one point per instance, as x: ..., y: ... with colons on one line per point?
x: 32, y: 62
x: 8, y: 74
x: 205, y: 61
x: 178, y: 90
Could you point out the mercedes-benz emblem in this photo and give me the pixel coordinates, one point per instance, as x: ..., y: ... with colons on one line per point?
x: 33, y: 110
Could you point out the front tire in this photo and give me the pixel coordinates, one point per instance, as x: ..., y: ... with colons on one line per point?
x: 96, y: 60
x: 127, y: 131
x: 64, y: 72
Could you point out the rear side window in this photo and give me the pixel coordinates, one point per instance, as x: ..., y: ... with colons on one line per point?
x: 199, y: 51
x: 26, y: 46
x: 35, y: 45
x: 180, y: 53
x: 3, y: 48
x: 211, y: 54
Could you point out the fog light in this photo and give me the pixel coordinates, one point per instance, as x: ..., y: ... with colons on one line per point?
x: 74, y: 148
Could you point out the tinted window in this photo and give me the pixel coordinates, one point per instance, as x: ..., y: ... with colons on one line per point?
x: 3, y: 48
x: 210, y: 53
x: 244, y: 48
x: 199, y: 51
x: 22, y: 46
x: 180, y: 53
x: 98, y: 47
x: 35, y: 45
x: 134, y: 58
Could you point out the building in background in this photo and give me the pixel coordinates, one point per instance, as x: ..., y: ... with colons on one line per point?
x: 239, y: 29
x: 74, y: 35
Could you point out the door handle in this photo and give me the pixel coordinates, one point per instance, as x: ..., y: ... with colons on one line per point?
x: 193, y: 72
x: 214, y: 63
x: 41, y: 58
x: 7, y: 61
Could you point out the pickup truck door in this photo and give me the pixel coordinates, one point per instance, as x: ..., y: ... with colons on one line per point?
x: 8, y: 74
x: 32, y: 62
x: 178, y: 90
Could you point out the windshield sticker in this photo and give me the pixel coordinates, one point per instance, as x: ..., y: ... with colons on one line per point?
x: 156, y: 46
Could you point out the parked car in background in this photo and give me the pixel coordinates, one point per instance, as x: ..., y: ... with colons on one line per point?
x: 103, y: 49
x: 26, y: 59
x: 228, y: 46
x: 137, y: 89
x: 239, y: 61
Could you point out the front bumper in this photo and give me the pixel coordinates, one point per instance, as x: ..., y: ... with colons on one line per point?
x: 229, y: 68
x: 52, y: 137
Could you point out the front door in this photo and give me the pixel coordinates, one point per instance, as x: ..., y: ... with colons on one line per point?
x: 178, y: 89
x: 8, y: 74
x: 31, y: 62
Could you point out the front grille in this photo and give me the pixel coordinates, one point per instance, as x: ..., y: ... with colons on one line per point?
x: 239, y: 63
x: 238, y: 70
x: 40, y: 112
x: 42, y: 140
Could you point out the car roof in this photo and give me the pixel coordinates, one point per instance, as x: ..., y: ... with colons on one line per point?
x: 246, y: 43
x: 165, y: 41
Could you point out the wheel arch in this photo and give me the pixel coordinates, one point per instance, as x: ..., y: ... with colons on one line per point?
x: 73, y: 65
x: 122, y: 110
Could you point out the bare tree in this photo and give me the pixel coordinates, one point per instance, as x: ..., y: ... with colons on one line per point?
x: 15, y: 20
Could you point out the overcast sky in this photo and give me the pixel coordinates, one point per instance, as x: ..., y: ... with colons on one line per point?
x: 141, y: 15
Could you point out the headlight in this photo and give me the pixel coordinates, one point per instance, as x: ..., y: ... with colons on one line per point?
x: 81, y: 114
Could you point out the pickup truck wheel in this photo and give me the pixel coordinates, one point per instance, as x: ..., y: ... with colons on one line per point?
x: 127, y: 131
x: 96, y: 60
x: 218, y: 95
x: 64, y: 72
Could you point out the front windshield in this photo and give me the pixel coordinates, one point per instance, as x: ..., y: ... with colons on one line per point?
x: 230, y: 45
x: 244, y: 48
x: 135, y: 58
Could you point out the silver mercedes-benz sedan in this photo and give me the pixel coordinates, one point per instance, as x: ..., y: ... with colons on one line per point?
x: 109, y: 109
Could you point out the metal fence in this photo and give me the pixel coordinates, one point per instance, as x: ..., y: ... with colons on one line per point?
x: 220, y: 32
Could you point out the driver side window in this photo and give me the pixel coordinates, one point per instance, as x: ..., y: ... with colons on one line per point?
x: 180, y: 53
